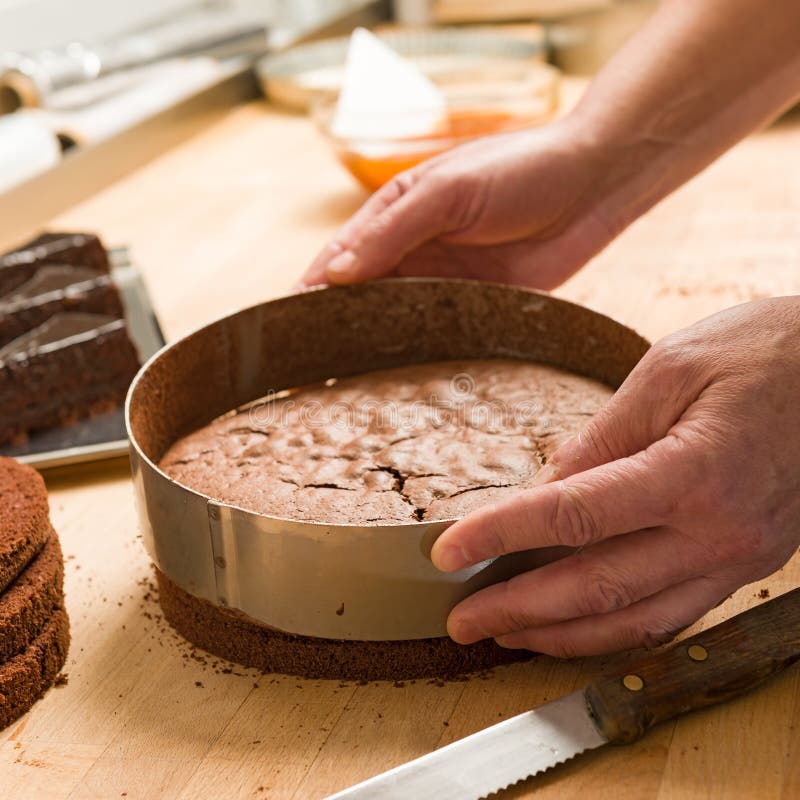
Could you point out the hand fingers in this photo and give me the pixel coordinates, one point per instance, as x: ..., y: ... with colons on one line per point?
x: 648, y: 623
x: 649, y: 403
x: 395, y: 220
x: 604, y: 578
x: 627, y: 495
x: 349, y: 232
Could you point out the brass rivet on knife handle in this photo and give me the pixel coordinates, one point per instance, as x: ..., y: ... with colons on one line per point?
x: 697, y: 652
x: 747, y: 649
x: 633, y: 683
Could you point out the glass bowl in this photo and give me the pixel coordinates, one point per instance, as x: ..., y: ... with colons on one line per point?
x: 499, y: 97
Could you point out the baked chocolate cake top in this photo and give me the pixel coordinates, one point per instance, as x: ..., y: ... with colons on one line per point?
x: 24, y: 521
x: 425, y: 442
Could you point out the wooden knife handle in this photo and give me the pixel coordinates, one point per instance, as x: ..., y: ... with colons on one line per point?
x: 713, y: 666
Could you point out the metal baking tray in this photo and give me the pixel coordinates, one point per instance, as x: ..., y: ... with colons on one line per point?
x: 102, y: 436
x: 298, y: 576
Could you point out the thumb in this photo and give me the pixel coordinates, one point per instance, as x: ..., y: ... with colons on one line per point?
x: 642, y: 411
x: 405, y: 214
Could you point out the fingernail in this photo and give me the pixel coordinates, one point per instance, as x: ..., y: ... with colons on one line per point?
x: 546, y: 474
x: 343, y: 265
x: 465, y: 632
x: 450, y: 559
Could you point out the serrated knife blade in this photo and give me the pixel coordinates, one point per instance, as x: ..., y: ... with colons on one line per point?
x: 492, y: 759
x: 713, y: 666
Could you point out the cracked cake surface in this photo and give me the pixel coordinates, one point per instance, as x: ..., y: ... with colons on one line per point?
x: 424, y: 442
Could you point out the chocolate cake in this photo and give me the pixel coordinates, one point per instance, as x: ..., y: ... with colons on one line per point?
x: 231, y: 635
x: 64, y: 350
x: 34, y: 628
x: 24, y: 522
x: 28, y: 675
x: 412, y: 444
x: 427, y: 442
x: 20, y: 265
x: 29, y: 602
x: 54, y: 289
x: 72, y: 366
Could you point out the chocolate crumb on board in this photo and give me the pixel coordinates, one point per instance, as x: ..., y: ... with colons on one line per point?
x: 62, y: 679
x: 764, y: 594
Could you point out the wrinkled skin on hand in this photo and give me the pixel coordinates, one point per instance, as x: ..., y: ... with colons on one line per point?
x: 525, y: 208
x: 685, y: 487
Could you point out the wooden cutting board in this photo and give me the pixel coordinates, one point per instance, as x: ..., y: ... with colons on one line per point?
x: 230, y: 218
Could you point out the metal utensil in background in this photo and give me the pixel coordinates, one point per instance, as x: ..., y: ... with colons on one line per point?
x: 27, y: 79
x: 706, y: 669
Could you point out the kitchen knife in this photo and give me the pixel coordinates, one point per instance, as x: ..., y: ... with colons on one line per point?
x: 708, y: 668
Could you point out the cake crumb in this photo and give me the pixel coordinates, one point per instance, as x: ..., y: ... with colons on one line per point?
x: 340, y: 610
x: 764, y: 594
x: 198, y: 684
x: 62, y: 679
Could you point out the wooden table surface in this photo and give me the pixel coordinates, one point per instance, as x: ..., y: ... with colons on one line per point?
x: 229, y: 218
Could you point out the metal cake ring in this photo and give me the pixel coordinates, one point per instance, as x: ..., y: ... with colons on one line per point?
x: 373, y: 582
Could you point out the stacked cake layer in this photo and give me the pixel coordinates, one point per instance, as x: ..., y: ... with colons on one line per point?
x: 65, y: 352
x: 34, y: 628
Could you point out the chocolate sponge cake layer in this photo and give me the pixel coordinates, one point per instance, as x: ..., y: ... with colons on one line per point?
x: 24, y: 522
x: 420, y: 443
x: 30, y: 601
x: 26, y: 677
x: 230, y: 635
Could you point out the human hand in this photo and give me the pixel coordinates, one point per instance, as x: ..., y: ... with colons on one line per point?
x: 524, y: 208
x: 685, y: 487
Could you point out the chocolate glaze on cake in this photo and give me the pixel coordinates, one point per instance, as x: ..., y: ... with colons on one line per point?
x: 30, y: 601
x: 426, y: 442
x: 72, y: 366
x: 24, y: 522
x: 52, y: 290
x: 20, y: 265
x: 25, y: 677
x: 231, y: 635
